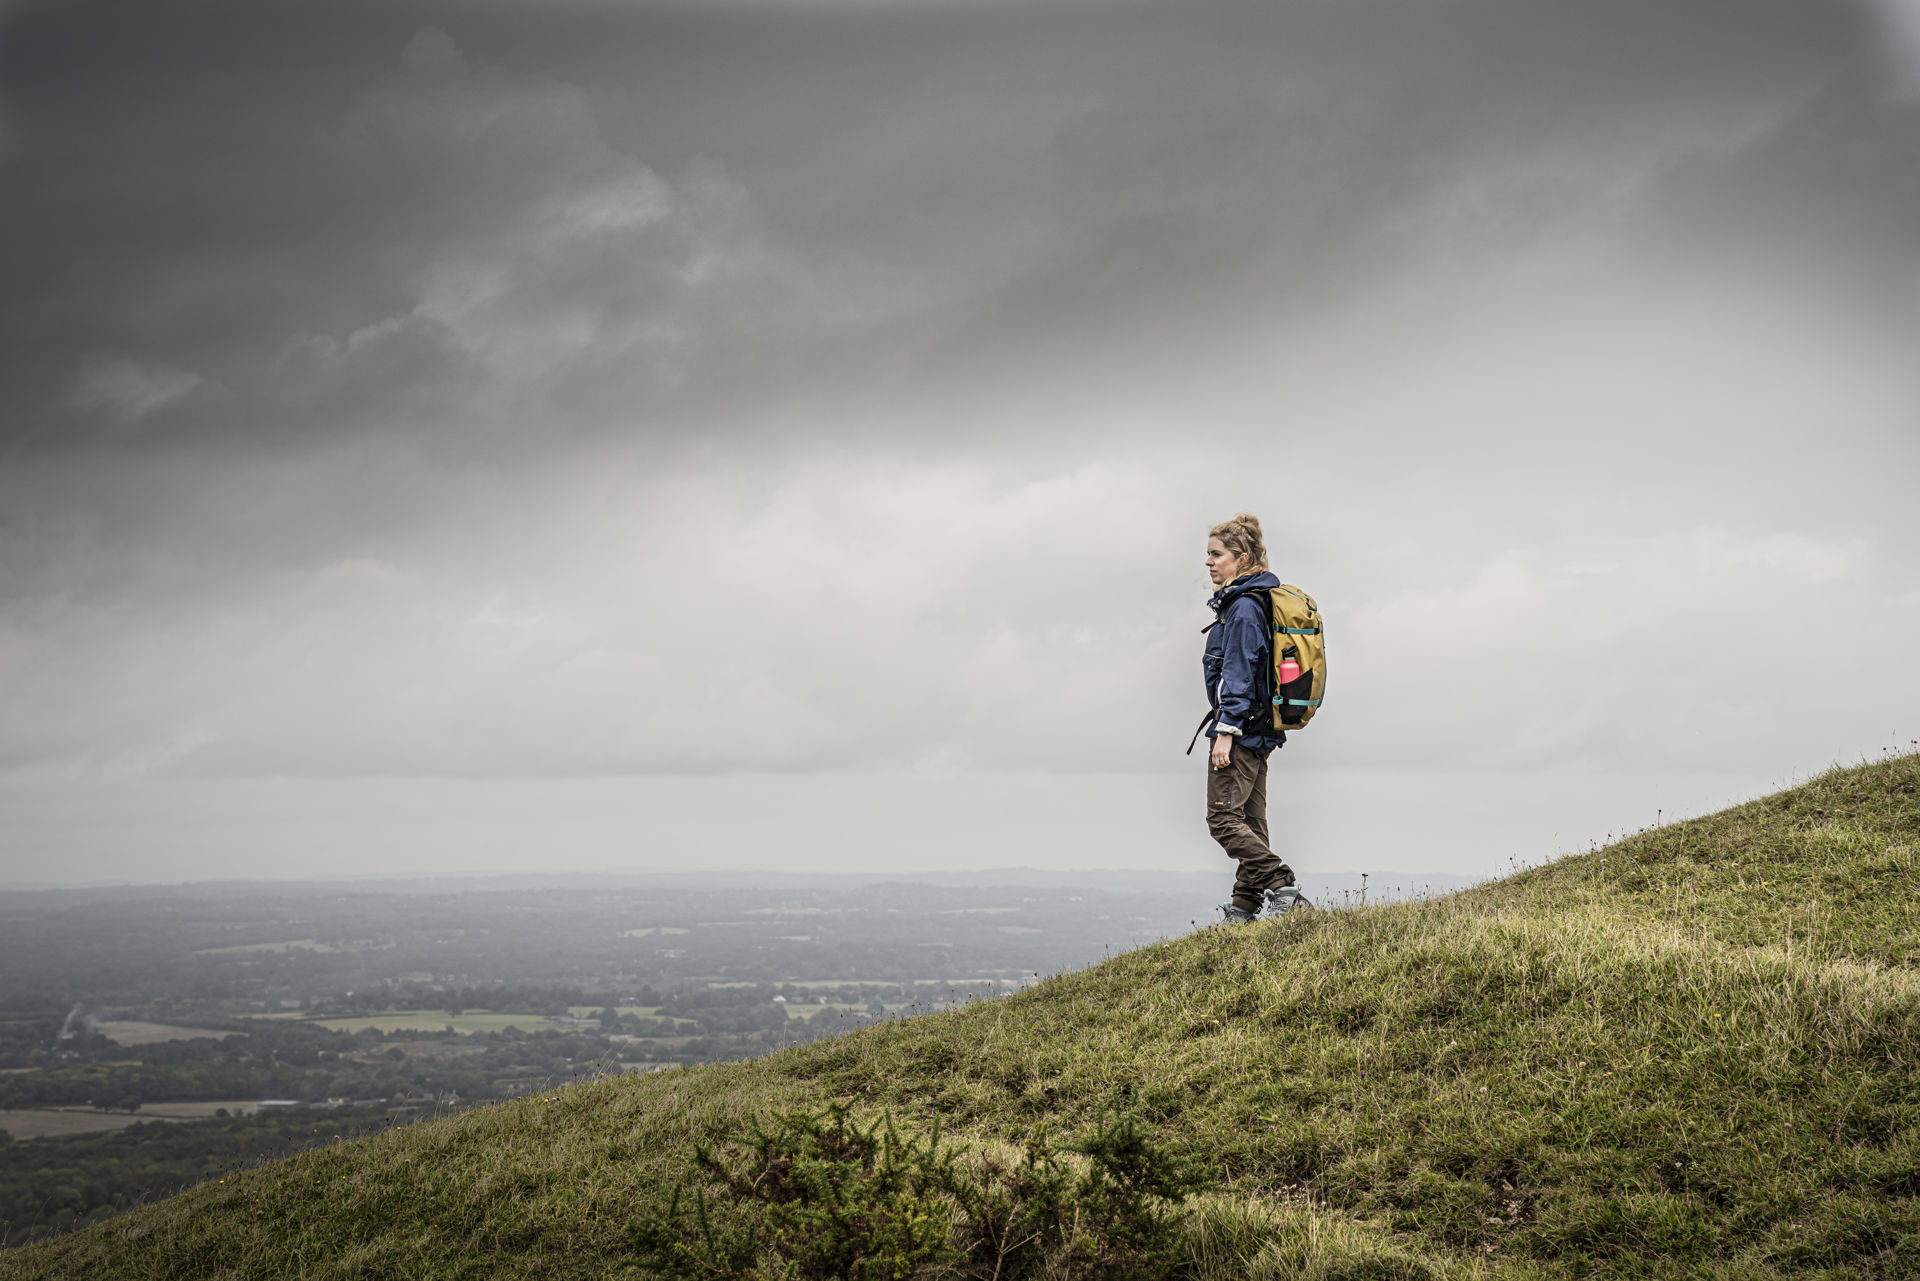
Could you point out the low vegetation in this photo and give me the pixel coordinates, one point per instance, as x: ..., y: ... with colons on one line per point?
x: 127, y: 1003
x: 49, y: 1187
x: 1695, y: 1052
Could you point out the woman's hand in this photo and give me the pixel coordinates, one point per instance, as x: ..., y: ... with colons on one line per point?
x: 1222, y: 751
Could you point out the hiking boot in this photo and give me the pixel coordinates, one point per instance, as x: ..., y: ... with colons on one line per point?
x: 1283, y: 898
x: 1237, y: 915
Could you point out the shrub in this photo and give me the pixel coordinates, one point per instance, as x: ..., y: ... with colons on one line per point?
x: 814, y: 1195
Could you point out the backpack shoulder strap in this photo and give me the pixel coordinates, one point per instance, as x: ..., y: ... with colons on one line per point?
x: 1204, y: 722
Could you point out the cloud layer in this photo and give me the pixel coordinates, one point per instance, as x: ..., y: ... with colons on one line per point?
x: 438, y: 391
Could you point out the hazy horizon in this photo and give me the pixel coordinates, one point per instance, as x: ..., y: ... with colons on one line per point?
x: 461, y: 438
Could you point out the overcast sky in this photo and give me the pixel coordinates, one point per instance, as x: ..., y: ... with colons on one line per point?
x: 613, y: 435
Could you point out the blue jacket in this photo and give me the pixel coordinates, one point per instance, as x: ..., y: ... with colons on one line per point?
x: 1238, y: 664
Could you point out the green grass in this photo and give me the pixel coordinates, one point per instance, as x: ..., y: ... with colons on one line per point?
x: 1693, y: 1053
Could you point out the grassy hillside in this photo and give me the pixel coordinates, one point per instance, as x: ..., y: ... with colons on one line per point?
x: 1695, y: 1052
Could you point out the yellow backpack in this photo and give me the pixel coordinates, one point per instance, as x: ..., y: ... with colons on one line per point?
x: 1299, y: 635
x: 1293, y: 621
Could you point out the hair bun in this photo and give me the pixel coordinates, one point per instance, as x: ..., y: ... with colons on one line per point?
x: 1241, y: 535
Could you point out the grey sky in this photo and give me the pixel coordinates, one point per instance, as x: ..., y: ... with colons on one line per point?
x: 478, y: 436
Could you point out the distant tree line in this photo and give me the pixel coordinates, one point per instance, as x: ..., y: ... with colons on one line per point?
x: 49, y: 1186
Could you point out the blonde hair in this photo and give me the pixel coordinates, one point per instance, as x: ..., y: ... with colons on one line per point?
x: 1241, y: 536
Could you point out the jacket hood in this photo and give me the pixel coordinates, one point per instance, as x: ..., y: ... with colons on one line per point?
x: 1241, y: 586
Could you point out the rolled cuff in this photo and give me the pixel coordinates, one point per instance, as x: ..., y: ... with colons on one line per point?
x: 1225, y: 728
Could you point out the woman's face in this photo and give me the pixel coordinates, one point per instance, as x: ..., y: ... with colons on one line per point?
x: 1222, y: 565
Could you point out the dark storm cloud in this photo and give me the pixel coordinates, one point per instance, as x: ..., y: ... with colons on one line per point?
x: 1837, y: 179
x: 1287, y: 157
x: 315, y: 224
x: 357, y: 239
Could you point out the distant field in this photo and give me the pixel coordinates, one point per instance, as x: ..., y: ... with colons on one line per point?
x: 42, y: 1123
x: 133, y: 1032
x: 652, y: 929
x: 194, y: 1111
x: 467, y: 1022
x: 304, y: 945
x: 624, y: 1011
x: 811, y: 1012
x: 655, y: 1044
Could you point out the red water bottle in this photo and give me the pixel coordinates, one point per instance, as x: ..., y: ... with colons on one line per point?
x: 1289, y: 671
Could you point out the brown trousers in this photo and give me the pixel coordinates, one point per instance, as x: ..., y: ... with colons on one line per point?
x: 1237, y: 818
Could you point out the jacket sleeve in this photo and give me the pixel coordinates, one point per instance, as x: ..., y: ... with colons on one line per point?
x: 1239, y: 673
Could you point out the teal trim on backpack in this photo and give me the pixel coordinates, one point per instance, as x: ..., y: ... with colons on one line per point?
x: 1298, y: 631
x: 1298, y: 702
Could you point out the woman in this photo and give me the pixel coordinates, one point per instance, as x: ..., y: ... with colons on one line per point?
x: 1237, y: 667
